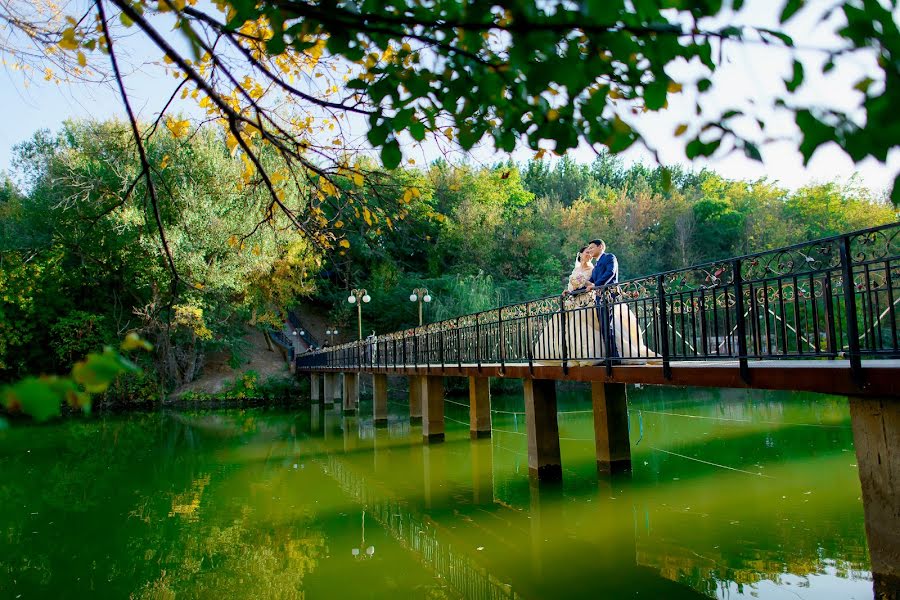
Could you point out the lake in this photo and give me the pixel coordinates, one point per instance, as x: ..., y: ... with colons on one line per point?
x: 733, y: 494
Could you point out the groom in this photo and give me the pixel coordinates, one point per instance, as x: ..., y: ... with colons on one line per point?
x: 606, y: 272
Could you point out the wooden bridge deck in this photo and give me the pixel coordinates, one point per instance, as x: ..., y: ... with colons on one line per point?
x: 880, y: 377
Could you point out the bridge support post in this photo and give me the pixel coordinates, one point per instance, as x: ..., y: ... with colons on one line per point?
x: 544, y: 462
x: 479, y: 407
x: 351, y: 393
x: 315, y: 387
x: 432, y: 409
x: 611, y: 427
x: 379, y: 400
x: 415, y: 398
x: 332, y: 387
x: 328, y: 387
x: 876, y: 436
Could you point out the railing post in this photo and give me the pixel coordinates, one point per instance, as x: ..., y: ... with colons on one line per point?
x: 500, y: 338
x: 478, y: 341
x: 739, y: 321
x: 529, y: 344
x: 562, y: 335
x: 853, y: 349
x: 458, y: 345
x: 663, y: 328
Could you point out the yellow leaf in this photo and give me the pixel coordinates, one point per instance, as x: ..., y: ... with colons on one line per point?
x: 82, y: 61
x: 256, y: 250
x: 133, y: 341
x: 552, y: 114
x: 338, y: 224
x: 126, y: 21
x: 540, y: 154
x: 357, y: 178
x: 178, y: 128
x: 674, y: 88
x: 680, y: 129
x: 68, y: 41
x: 164, y: 162
x: 344, y: 244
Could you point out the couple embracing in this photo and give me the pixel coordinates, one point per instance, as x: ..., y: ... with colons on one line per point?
x: 596, y: 324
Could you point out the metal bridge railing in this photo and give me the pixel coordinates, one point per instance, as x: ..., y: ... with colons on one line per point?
x: 830, y: 298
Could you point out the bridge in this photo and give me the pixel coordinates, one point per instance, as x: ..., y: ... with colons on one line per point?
x: 819, y: 316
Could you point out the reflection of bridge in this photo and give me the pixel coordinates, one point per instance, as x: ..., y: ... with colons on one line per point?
x: 819, y: 316
x: 612, y: 571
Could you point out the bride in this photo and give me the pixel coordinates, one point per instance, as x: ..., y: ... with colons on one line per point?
x: 584, y: 341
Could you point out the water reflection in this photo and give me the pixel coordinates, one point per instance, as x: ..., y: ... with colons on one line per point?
x: 732, y: 494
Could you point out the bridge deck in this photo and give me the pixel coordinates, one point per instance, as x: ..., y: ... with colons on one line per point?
x: 880, y: 377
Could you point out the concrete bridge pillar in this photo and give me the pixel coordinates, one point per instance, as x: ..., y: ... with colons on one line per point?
x: 544, y: 461
x: 315, y: 387
x: 611, y: 427
x: 876, y: 436
x: 379, y: 400
x: 328, y: 388
x: 479, y: 407
x: 432, y: 408
x: 351, y: 393
x: 416, y: 384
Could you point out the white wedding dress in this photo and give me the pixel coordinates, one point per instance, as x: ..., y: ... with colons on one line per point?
x: 584, y: 340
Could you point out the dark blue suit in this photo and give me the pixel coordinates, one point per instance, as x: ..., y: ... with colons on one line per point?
x: 606, y: 272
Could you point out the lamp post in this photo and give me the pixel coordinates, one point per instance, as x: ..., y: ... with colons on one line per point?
x: 357, y: 297
x: 420, y: 295
x: 331, y: 333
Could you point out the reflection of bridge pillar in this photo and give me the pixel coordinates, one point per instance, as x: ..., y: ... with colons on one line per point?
x: 479, y: 407
x: 543, y: 431
x: 315, y: 387
x: 315, y: 414
x: 434, y: 461
x: 432, y: 409
x: 611, y: 427
x: 876, y: 436
x: 379, y: 400
x: 415, y: 398
x: 482, y: 472
x: 350, y: 434
x: 351, y: 393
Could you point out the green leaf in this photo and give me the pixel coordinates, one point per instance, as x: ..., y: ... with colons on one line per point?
x: 33, y: 396
x: 797, y: 78
x: 752, y: 151
x: 790, y: 8
x: 655, y: 94
x: 417, y: 131
x: 390, y: 154
x: 895, y: 192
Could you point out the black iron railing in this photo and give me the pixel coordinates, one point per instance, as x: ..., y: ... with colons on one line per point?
x: 831, y: 298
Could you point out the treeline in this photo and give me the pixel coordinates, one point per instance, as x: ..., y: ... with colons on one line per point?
x: 82, y: 260
x: 482, y: 236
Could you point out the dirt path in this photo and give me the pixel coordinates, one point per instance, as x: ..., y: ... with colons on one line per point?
x: 218, y: 374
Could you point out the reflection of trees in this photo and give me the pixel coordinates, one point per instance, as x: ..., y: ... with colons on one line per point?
x: 238, y: 560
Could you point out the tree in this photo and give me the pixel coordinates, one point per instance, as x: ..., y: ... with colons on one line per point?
x: 289, y: 78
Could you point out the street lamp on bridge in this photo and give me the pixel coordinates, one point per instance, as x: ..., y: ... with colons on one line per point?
x: 420, y: 295
x: 331, y: 333
x: 357, y: 297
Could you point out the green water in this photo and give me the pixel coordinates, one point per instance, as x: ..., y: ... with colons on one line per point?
x: 734, y: 494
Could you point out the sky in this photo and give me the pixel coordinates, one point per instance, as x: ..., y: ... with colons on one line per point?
x: 752, y: 77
